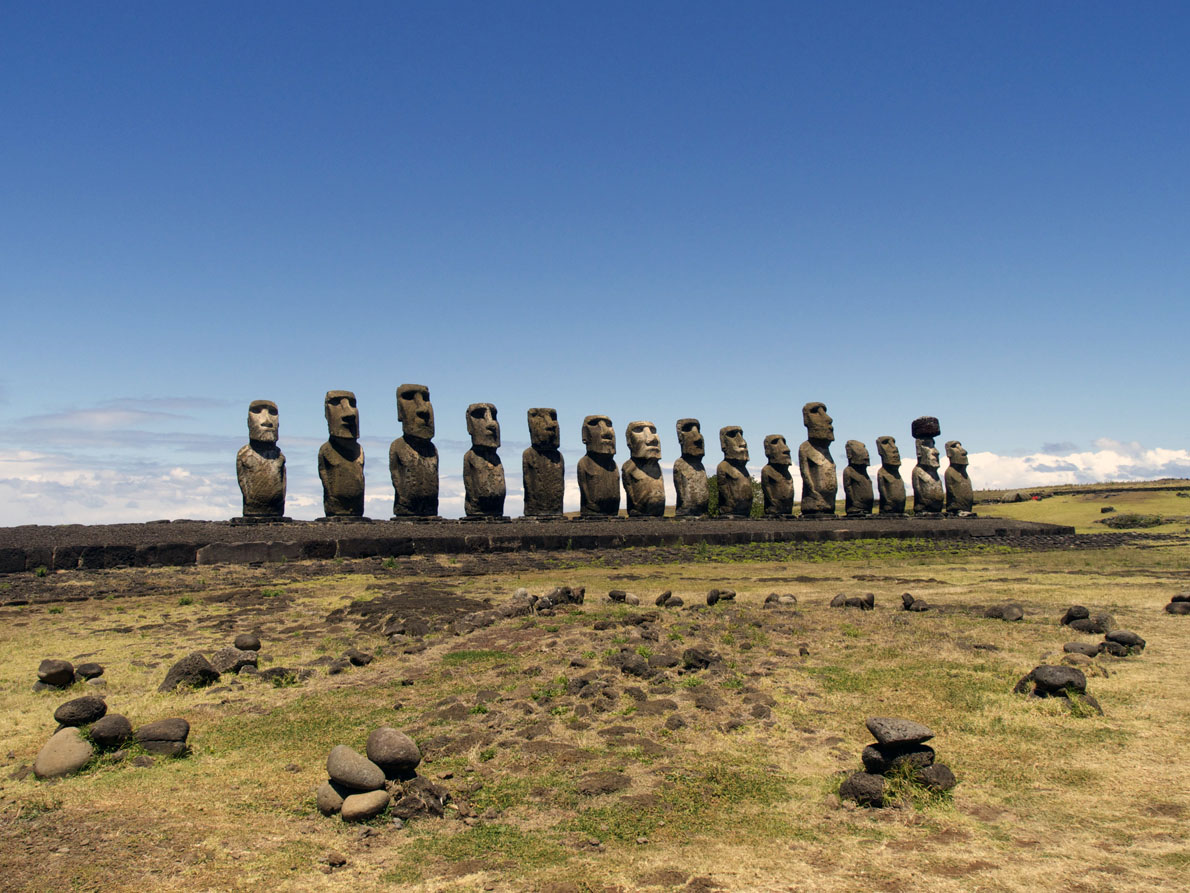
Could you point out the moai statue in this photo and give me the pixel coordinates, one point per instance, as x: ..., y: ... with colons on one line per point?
x: 819, y: 483
x: 888, y: 478
x: 543, y: 466
x: 690, y: 478
x: 735, y: 484
x: 483, y: 473
x: 927, y: 488
x: 260, y: 464
x: 598, y: 483
x: 857, y: 486
x: 776, y: 483
x: 412, y: 458
x: 643, y: 487
x: 960, y: 498
x: 341, y: 459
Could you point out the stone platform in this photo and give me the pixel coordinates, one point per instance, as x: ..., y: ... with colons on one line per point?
x: 177, y: 543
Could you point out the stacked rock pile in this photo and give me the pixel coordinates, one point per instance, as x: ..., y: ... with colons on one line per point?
x: 1079, y: 618
x: 1121, y: 643
x: 900, y: 749
x: 865, y: 602
x: 521, y: 605
x: 910, y: 603
x: 240, y: 658
x: 782, y: 600
x: 720, y: 595
x: 668, y: 600
x: 1048, y: 681
x: 69, y: 750
x: 1179, y: 604
x: 59, y: 674
x: 361, y: 787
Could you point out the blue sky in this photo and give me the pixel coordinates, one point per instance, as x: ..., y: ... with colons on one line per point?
x: 656, y: 210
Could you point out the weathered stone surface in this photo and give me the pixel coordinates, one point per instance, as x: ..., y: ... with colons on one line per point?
x: 260, y: 465
x: 231, y: 659
x: 644, y: 488
x: 864, y: 789
x: 393, y: 751
x: 329, y: 797
x: 1051, y: 680
x: 731, y: 475
x: 193, y: 670
x: 893, y: 731
x: 598, y: 481
x: 362, y: 807
x: 353, y: 769
x: 110, y: 731
x: 776, y: 483
x: 1178, y: 608
x: 690, y: 477
x: 341, y: 459
x: 1080, y: 648
x: 888, y: 479
x: 1010, y: 612
x: 66, y: 752
x: 89, y: 670
x: 936, y: 777
x: 857, y: 486
x: 960, y: 497
x: 542, y: 464
x: 80, y: 711
x: 880, y: 759
x: 483, y: 472
x: 925, y: 427
x: 56, y: 673
x: 699, y: 658
x: 820, y: 484
x: 1074, y: 612
x: 166, y: 737
x: 1127, y: 638
x: 247, y: 642
x: 1096, y: 624
x: 413, y: 458
x: 927, y: 488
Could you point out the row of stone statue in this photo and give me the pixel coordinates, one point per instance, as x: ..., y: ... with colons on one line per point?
x: 413, y: 464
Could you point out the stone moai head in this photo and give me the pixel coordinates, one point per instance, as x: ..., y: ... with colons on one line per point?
x: 819, y: 425
x: 263, y: 424
x: 690, y: 438
x: 776, y: 450
x: 414, y: 411
x: 599, y: 436
x: 342, y: 417
x: 927, y: 453
x: 889, y: 454
x: 731, y: 441
x: 543, y: 428
x: 857, y: 454
x: 956, y: 453
x: 482, y: 425
x: 643, y: 442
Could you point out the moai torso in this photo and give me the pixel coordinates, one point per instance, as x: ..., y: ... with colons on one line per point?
x: 413, y: 458
x: 857, y: 486
x: 690, y: 477
x: 960, y: 497
x: 542, y: 465
x: 483, y: 473
x: 644, y: 490
x: 819, y: 482
x: 776, y: 482
x: 260, y: 464
x: 927, y: 488
x: 888, y: 478
x: 341, y: 459
x: 598, y: 481
x: 731, y: 476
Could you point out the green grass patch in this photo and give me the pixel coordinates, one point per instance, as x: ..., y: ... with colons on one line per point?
x: 476, y: 656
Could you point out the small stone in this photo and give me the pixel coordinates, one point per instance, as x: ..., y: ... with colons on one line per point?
x: 1096, y: 624
x: 864, y: 789
x: 58, y: 673
x: 675, y: 722
x: 1178, y: 608
x: 166, y: 737
x: 89, y: 670
x: 1074, y: 612
x: 617, y: 595
x: 65, y: 753
x: 631, y: 599
x: 663, y: 598
x: 1115, y: 649
x: 1126, y: 638
x: 329, y: 797
x: 362, y: 807
x: 1080, y: 648
x: 335, y: 859
x: 889, y: 730
x: 699, y: 658
x: 353, y: 769
x: 1010, y: 612
x: 247, y: 642
x: 1050, y: 680
x: 713, y: 597
x: 80, y: 711
x: 936, y: 777
x: 393, y: 751
x: 642, y: 840
x: 111, y: 731
x: 193, y: 670
x: 358, y: 658
x: 879, y: 759
x: 839, y: 600
x: 232, y: 660
x: 674, y: 601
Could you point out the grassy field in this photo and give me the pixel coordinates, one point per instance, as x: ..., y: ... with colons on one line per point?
x: 738, y: 796
x: 1084, y: 511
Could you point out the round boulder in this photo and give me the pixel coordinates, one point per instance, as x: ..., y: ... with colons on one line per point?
x: 193, y: 670
x: 892, y: 731
x: 1080, y: 648
x: 66, y: 752
x: 1096, y: 624
x: 864, y: 789
x: 329, y: 797
x: 1074, y: 612
x: 80, y: 711
x: 1127, y: 638
x: 880, y: 759
x: 353, y: 769
x: 58, y: 673
x: 1180, y: 608
x: 936, y: 777
x: 394, y: 752
x: 1057, y: 681
x: 111, y: 731
x: 89, y: 670
x: 232, y: 660
x: 166, y: 737
x: 247, y: 642
x: 361, y: 807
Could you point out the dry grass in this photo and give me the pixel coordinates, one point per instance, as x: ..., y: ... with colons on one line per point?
x: 1047, y: 800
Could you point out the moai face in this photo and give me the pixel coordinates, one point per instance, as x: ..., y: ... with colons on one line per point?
x: 927, y: 455
x: 342, y: 418
x: 731, y: 440
x: 415, y: 411
x: 956, y: 453
x: 819, y: 425
x: 690, y: 438
x: 263, y: 422
x: 889, y: 454
x: 598, y: 435
x: 776, y: 450
x: 643, y: 442
x: 482, y: 425
x: 857, y: 454
x: 543, y: 428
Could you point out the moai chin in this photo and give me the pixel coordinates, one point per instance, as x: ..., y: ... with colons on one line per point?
x: 644, y: 488
x: 543, y: 467
x: 776, y: 483
x: 260, y: 464
x: 341, y: 459
x: 888, y: 478
x: 483, y: 473
x: 731, y: 476
x: 960, y: 497
x: 857, y: 486
x: 819, y: 482
x: 598, y: 481
x: 690, y: 477
x: 413, y: 458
